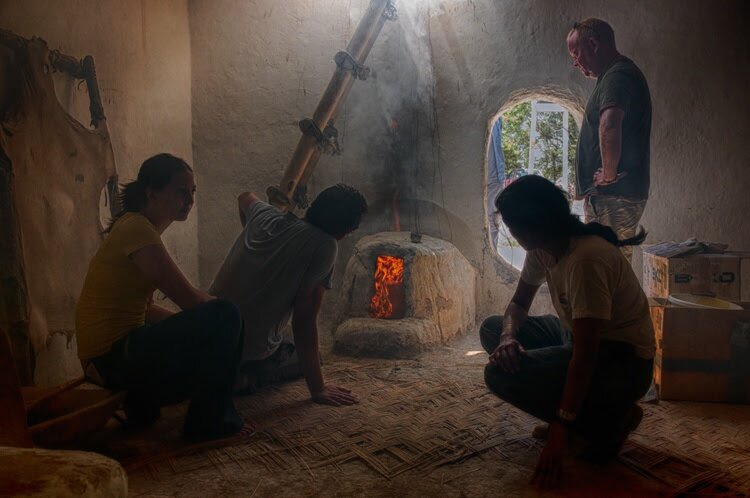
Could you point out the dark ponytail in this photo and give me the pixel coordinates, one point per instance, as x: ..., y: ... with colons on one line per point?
x: 155, y: 173
x: 577, y: 227
x: 535, y: 204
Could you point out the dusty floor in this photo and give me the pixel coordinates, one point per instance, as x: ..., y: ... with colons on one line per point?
x: 427, y: 427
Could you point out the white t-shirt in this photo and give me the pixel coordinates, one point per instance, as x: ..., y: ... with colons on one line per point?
x: 594, y: 280
x: 275, y: 256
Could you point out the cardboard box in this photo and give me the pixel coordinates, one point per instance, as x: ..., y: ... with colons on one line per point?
x: 745, y: 279
x: 716, y: 275
x: 701, y: 354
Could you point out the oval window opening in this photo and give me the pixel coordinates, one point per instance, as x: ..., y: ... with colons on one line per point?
x: 534, y: 137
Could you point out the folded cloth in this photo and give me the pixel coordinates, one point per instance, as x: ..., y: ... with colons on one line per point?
x: 690, y: 246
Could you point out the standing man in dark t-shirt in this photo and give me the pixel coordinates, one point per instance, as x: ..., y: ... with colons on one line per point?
x: 612, y: 160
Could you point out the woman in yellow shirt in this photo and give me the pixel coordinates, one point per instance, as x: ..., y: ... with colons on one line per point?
x: 127, y: 342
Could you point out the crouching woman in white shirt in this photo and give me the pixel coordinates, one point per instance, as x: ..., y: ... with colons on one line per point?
x: 584, y: 370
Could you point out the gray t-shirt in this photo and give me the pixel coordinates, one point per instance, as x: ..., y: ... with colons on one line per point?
x: 275, y: 255
x: 622, y: 85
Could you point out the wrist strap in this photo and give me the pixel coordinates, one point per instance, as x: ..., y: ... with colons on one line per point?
x: 565, y: 417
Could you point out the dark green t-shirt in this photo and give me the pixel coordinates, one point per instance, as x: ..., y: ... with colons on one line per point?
x: 622, y: 85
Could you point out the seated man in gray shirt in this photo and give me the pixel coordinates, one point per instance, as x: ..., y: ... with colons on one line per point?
x: 279, y: 267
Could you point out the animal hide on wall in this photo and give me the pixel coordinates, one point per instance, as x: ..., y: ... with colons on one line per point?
x: 55, y: 173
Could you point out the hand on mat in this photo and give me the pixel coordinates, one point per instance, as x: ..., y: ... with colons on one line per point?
x: 549, y: 467
x: 249, y: 428
x: 506, y: 355
x: 335, y: 396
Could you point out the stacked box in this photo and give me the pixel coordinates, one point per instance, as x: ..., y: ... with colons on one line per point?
x: 716, y: 275
x: 702, y: 354
x: 745, y: 280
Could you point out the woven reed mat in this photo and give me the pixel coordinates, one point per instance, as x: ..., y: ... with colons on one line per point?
x: 700, y: 447
x: 416, y: 419
x: 400, y: 424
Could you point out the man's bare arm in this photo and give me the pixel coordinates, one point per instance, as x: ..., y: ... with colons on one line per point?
x: 610, y: 142
x: 244, y: 201
x: 305, y: 329
x: 518, y: 308
x: 506, y: 354
x: 581, y: 368
x: 577, y: 383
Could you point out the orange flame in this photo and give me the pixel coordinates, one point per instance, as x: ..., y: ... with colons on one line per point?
x: 389, y: 272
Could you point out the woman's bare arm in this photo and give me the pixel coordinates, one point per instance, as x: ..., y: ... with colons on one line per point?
x: 159, y: 267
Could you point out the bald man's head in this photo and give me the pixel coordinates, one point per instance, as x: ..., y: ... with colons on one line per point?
x: 591, y: 44
x: 597, y: 29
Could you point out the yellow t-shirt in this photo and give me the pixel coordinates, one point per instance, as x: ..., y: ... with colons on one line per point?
x: 116, y: 293
x: 594, y: 280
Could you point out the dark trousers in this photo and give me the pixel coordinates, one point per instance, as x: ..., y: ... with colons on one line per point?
x: 620, y: 377
x: 190, y: 355
x: 283, y: 365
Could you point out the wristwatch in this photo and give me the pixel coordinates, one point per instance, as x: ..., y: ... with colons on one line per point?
x: 566, y: 417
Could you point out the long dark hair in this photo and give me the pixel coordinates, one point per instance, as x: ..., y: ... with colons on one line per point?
x: 156, y: 172
x: 537, y: 205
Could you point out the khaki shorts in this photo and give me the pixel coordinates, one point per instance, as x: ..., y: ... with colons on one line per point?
x: 619, y: 213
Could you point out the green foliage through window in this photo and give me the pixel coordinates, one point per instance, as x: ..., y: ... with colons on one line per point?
x: 516, y: 126
x: 516, y: 132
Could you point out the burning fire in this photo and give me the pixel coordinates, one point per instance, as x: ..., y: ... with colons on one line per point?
x: 389, y: 274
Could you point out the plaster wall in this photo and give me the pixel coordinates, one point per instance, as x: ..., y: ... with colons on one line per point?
x: 142, y: 53
x: 419, y: 125
x: 694, y: 55
x: 259, y: 68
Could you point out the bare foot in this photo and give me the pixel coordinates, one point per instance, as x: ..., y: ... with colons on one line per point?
x: 540, y: 431
x: 228, y: 430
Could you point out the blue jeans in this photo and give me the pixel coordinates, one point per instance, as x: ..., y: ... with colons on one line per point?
x: 620, y: 378
x: 190, y: 355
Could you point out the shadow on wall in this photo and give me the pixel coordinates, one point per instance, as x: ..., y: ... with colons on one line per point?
x: 423, y: 216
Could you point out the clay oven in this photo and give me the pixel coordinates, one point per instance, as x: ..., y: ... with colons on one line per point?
x: 401, y: 297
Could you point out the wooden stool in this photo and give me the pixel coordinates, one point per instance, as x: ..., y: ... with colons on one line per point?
x: 53, y: 416
x: 67, y: 413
